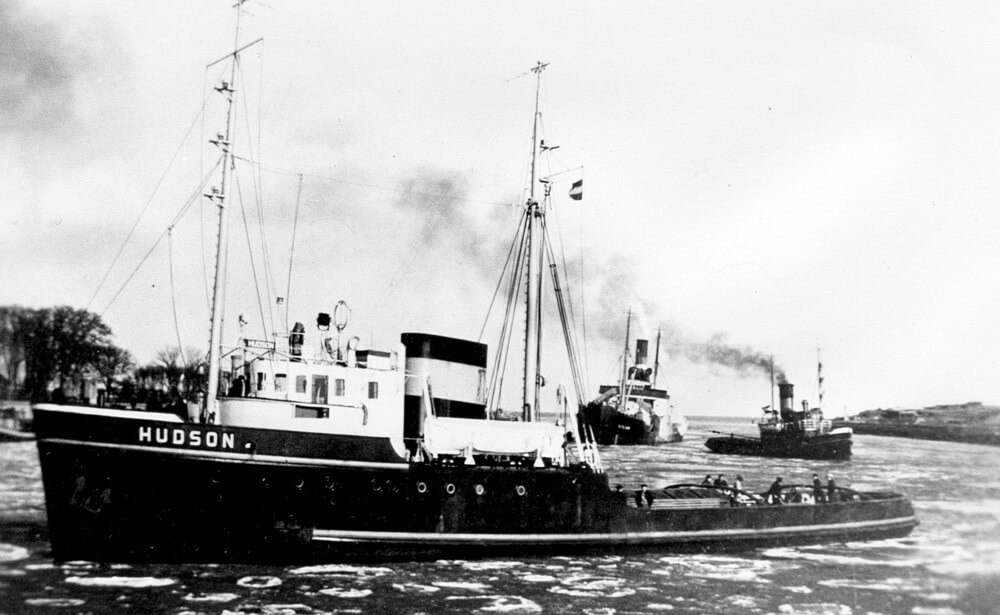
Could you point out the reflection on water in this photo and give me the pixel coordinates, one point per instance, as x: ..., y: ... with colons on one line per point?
x: 950, y: 564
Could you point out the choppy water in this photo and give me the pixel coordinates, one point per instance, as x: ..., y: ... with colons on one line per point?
x: 949, y: 565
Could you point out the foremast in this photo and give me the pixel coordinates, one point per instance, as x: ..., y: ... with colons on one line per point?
x: 533, y: 331
x: 218, y: 196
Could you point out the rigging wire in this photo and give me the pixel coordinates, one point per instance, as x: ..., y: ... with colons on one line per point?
x: 253, y: 266
x: 173, y: 295
x: 258, y: 197
x: 500, y: 280
x: 565, y: 317
x: 149, y: 201
x: 184, y: 209
x: 496, y: 379
x: 495, y: 390
x: 569, y: 296
x: 291, y: 252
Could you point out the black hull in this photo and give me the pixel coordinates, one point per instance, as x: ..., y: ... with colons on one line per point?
x: 833, y: 447
x: 110, y: 500
x: 611, y: 427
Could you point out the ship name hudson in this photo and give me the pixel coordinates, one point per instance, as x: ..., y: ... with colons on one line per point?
x: 180, y: 437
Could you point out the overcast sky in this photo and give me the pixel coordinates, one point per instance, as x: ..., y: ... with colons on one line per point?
x: 790, y: 176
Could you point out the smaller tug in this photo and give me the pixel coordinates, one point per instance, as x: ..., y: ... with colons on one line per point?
x: 789, y: 433
x: 634, y: 411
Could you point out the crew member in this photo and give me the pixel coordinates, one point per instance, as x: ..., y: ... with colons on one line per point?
x: 773, y: 494
x: 239, y: 387
x: 643, y: 497
x: 817, y: 489
x: 619, y: 495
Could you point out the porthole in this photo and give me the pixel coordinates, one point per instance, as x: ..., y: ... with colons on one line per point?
x: 421, y: 487
x: 520, y: 490
x: 376, y: 486
x: 449, y: 489
x: 480, y: 490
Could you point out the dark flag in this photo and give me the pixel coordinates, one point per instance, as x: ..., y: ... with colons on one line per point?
x: 576, y: 190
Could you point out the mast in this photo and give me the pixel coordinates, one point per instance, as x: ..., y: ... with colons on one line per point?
x: 621, y: 389
x: 219, y: 197
x: 656, y: 359
x: 533, y: 331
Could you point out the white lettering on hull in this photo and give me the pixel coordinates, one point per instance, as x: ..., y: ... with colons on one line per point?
x: 194, y: 438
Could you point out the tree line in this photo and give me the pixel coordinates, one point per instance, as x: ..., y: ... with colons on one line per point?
x: 43, y: 350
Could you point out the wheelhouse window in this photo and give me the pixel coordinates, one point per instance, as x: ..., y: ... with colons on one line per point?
x: 261, y: 380
x: 339, y: 387
x: 301, y: 385
x: 319, y: 391
x: 372, y: 390
x: 280, y: 383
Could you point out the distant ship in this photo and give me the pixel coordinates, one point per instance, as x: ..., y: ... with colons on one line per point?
x: 634, y: 411
x: 789, y: 433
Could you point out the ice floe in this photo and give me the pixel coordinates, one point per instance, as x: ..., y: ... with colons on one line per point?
x: 350, y: 592
x: 131, y: 582
x: 415, y: 588
x: 12, y: 553
x: 502, y: 604
x: 259, y: 582
x: 341, y: 569
x: 593, y: 586
x: 55, y: 602
x: 473, y: 586
x: 220, y: 597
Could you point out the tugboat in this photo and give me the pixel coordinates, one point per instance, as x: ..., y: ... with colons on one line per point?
x: 804, y: 434
x: 309, y: 450
x: 634, y: 411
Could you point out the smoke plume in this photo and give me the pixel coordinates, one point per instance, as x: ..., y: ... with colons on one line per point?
x: 445, y: 219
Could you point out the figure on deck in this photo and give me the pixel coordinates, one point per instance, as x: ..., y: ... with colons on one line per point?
x: 817, y: 489
x: 773, y: 494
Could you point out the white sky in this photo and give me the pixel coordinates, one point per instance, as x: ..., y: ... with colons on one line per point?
x: 792, y: 175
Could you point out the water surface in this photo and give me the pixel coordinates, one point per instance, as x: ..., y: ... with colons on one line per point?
x: 949, y: 565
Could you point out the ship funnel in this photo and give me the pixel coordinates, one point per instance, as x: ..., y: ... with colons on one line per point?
x: 641, y: 351
x: 785, y: 393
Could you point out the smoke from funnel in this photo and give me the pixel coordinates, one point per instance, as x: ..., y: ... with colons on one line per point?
x: 445, y: 220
